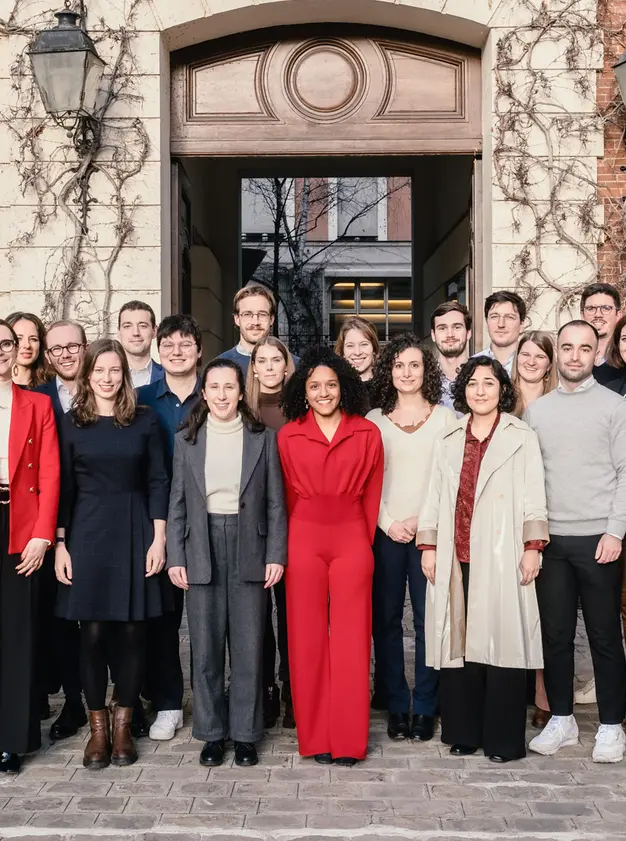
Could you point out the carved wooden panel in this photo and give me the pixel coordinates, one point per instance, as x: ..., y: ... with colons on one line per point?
x: 329, y: 93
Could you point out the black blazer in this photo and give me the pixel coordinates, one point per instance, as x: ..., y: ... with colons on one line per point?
x: 50, y: 388
x: 619, y: 385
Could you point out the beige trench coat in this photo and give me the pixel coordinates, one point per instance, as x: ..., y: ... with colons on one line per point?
x: 502, y: 627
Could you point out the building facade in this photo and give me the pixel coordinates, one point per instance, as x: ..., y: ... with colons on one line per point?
x: 503, y: 116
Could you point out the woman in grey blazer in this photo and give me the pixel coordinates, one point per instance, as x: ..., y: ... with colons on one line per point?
x: 226, y: 546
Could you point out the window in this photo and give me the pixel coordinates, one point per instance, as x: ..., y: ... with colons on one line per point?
x: 357, y: 209
x: 386, y: 303
x: 456, y: 289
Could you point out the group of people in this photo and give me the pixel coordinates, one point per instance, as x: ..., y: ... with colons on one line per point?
x: 494, y: 485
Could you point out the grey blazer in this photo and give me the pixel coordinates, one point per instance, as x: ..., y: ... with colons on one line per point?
x: 262, y: 535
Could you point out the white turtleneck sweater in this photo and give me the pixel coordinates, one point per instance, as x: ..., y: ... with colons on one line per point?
x: 222, y: 465
x: 6, y: 402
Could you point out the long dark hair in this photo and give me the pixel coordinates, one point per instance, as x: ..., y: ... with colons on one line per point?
x: 354, y: 397
x: 84, y: 407
x: 39, y: 371
x: 200, y: 411
x: 384, y: 393
x: 613, y: 355
x: 506, y: 403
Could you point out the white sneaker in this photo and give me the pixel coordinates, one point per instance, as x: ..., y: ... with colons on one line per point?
x: 610, y: 743
x: 560, y: 732
x: 586, y: 695
x: 166, y: 724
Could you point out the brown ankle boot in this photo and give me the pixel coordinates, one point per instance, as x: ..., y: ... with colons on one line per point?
x: 98, y: 750
x: 124, y: 751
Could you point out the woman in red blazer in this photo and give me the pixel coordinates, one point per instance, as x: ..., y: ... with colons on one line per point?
x: 332, y: 462
x: 29, y: 497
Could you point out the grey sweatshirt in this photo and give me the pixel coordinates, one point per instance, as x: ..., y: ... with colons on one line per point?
x: 582, y: 435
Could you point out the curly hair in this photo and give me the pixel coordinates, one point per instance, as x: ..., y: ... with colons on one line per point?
x: 200, y: 409
x: 506, y: 402
x: 384, y: 393
x: 354, y: 397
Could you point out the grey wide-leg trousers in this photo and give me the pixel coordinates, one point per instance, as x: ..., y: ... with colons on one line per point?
x: 226, y: 609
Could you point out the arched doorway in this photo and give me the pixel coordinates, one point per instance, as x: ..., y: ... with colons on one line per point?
x: 330, y: 101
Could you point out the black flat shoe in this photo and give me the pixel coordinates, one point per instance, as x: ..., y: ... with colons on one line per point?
x: 71, y: 719
x: 323, y: 758
x: 379, y: 702
x: 422, y: 728
x: 212, y: 754
x: 462, y: 750
x: 10, y: 763
x: 139, y: 726
x: 398, y: 726
x: 346, y: 761
x: 271, y: 706
x: 245, y: 754
x: 496, y: 757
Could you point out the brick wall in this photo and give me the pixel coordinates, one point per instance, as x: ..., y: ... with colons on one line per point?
x: 611, y: 180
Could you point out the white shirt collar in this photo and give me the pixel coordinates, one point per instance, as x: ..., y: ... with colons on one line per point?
x: 65, y: 395
x: 583, y: 386
x: 243, y: 351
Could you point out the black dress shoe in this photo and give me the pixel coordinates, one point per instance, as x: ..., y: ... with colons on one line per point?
x: 379, y: 702
x: 496, y: 757
x: 245, y: 754
x: 212, y: 754
x: 422, y: 728
x: 139, y: 726
x: 462, y: 750
x: 71, y: 719
x: 346, y: 761
x: 398, y: 726
x: 10, y: 763
x: 323, y: 758
x: 271, y: 705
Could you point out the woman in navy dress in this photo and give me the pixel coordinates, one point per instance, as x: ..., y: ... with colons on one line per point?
x: 112, y: 521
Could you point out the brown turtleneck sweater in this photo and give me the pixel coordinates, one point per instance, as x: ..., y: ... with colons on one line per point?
x: 270, y: 411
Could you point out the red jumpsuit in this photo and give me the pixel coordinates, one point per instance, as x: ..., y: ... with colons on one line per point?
x: 333, y: 495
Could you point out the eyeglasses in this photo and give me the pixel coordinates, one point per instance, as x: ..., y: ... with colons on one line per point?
x: 169, y: 347
x: 7, y: 345
x: 73, y: 348
x: 263, y: 315
x: 605, y: 309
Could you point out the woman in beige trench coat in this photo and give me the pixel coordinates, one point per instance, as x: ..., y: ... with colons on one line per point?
x: 482, y: 528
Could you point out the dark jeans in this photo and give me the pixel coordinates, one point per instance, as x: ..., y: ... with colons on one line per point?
x: 484, y: 706
x: 570, y: 572
x: 394, y: 563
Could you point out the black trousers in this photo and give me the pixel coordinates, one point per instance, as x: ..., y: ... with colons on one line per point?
x: 570, y: 572
x: 19, y: 710
x: 270, y: 641
x: 164, y: 673
x: 484, y: 706
x: 58, y: 650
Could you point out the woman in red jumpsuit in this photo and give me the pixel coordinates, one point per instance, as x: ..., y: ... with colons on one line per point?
x: 332, y: 462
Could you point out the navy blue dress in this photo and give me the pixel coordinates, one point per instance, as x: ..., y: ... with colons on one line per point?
x: 113, y: 485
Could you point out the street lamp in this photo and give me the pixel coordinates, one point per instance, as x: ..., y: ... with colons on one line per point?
x: 620, y: 74
x: 67, y: 69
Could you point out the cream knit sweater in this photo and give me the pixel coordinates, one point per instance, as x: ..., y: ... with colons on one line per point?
x: 407, y: 462
x: 222, y: 465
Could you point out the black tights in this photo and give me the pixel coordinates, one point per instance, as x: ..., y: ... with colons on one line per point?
x: 99, y: 643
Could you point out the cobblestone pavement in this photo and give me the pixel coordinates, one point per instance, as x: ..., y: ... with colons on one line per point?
x: 403, y: 790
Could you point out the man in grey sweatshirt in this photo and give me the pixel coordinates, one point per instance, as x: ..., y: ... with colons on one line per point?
x: 582, y: 433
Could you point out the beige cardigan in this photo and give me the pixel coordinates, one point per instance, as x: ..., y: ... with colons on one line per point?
x: 502, y: 626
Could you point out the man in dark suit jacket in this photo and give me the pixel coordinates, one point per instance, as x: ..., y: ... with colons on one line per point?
x: 136, y: 332
x: 60, y: 644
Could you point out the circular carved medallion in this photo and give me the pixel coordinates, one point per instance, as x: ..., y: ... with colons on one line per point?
x: 325, y: 80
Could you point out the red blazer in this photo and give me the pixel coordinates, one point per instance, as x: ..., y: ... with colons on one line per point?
x: 34, y: 472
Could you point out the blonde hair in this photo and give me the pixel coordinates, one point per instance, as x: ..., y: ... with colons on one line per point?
x: 545, y: 342
x: 253, y: 384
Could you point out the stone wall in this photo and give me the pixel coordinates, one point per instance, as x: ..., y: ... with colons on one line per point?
x: 541, y: 158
